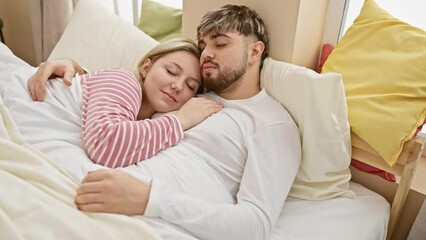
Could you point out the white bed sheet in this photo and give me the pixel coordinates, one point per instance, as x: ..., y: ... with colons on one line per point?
x: 363, y: 217
x: 54, y: 128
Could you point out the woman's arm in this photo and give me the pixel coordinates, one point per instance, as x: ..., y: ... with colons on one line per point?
x: 65, y: 68
x: 112, y: 134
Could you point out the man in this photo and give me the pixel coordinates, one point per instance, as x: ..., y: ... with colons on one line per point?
x: 230, y: 175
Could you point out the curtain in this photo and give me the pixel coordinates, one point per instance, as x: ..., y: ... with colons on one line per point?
x: 418, y: 230
x: 49, y: 19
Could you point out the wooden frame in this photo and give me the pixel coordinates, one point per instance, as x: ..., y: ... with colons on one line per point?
x: 404, y: 168
x: 1, y: 31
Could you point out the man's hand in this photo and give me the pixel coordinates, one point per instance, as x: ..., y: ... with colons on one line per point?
x: 112, y: 191
x: 65, y: 68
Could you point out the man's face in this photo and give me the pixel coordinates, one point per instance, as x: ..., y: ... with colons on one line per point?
x: 223, y: 60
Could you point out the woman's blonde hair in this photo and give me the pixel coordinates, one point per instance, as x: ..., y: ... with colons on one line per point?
x: 167, y: 47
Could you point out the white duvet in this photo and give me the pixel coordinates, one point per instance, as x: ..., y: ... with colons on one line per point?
x: 36, y: 193
x: 42, y: 161
x: 54, y: 128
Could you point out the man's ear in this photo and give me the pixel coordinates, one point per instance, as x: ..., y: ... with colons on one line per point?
x: 257, y: 49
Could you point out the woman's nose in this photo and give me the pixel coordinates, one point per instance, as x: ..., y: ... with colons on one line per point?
x: 177, y: 86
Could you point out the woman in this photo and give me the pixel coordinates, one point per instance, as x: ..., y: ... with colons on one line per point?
x: 117, y: 105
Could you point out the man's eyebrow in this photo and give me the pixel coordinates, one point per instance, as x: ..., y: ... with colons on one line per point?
x: 213, y: 36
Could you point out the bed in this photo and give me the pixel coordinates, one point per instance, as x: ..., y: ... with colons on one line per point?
x: 38, y: 177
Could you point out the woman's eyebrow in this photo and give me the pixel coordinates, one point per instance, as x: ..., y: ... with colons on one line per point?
x: 181, y: 69
x: 177, y: 65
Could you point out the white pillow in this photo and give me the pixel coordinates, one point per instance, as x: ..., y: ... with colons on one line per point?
x: 98, y: 39
x: 317, y: 103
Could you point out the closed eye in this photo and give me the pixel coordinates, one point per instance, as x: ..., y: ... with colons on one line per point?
x: 193, y: 85
x: 171, y: 72
x: 190, y: 87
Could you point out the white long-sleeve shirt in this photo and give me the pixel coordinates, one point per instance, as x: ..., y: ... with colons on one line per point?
x: 230, y: 175
x: 113, y: 136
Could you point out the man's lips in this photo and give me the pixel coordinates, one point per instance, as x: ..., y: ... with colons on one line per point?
x: 171, y: 96
x: 208, y: 67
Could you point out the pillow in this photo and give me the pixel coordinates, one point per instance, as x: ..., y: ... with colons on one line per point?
x: 373, y: 170
x: 383, y: 63
x: 317, y: 104
x: 326, y: 50
x: 99, y: 39
x: 160, y: 21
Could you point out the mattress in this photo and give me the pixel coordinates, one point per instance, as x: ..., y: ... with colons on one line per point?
x: 55, y: 129
x: 364, y: 217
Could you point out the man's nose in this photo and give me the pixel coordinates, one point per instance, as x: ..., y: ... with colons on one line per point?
x: 207, y: 53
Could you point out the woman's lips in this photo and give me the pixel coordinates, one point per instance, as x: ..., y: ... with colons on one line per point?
x: 171, y: 96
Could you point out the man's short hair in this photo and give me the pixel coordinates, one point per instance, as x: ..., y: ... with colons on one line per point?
x: 235, y: 18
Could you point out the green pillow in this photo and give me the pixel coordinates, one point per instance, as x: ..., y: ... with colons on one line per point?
x: 159, y: 21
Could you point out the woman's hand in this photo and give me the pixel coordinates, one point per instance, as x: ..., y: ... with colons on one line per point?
x: 112, y: 191
x: 196, y: 110
x: 65, y: 68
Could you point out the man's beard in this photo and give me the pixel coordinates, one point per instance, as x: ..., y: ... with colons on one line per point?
x: 226, y: 79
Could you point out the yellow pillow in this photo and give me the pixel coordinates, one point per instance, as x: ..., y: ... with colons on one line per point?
x: 383, y: 63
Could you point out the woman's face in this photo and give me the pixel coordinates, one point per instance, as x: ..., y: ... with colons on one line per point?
x: 171, y: 81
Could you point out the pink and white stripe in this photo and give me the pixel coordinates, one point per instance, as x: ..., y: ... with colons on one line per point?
x: 112, y: 134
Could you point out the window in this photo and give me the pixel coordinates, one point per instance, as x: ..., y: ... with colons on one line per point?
x: 129, y: 10
x: 342, y: 13
x: 409, y: 11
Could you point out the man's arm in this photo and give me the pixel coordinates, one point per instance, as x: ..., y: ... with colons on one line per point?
x: 65, y: 68
x: 112, y: 191
x: 268, y: 175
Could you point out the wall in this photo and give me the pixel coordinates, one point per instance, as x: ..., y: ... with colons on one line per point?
x: 17, y: 30
x: 297, y: 35
x: 295, y: 26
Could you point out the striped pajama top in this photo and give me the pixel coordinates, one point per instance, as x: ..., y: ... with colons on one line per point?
x: 111, y: 132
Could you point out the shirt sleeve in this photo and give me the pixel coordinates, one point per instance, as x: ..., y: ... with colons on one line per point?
x: 267, y: 178
x: 112, y: 134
